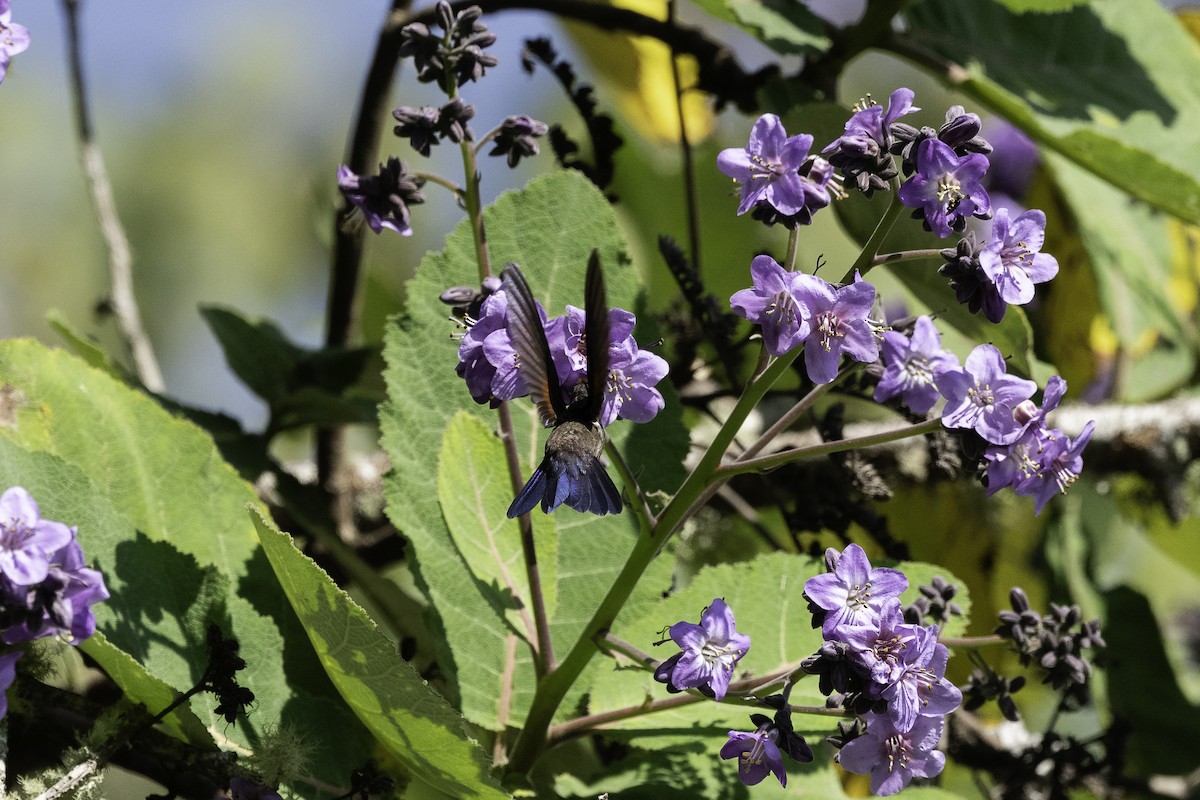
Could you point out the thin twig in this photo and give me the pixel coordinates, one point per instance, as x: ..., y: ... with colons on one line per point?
x: 691, y: 203
x: 612, y: 644
x: 120, y: 259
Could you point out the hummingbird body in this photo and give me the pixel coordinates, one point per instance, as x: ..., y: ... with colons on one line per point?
x: 570, y: 471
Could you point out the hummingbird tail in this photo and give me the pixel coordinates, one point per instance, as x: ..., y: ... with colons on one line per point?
x: 589, y: 489
x: 530, y: 494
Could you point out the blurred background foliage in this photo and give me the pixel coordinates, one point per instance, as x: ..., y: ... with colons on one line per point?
x: 223, y: 125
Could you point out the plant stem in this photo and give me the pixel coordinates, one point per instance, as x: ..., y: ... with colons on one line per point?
x: 862, y: 265
x: 457, y: 190
x: 120, y: 259
x: 641, y: 508
x: 797, y: 454
x: 793, y: 413
x: 793, y: 246
x: 972, y: 641
x: 903, y: 255
x: 613, y: 644
x: 685, y: 148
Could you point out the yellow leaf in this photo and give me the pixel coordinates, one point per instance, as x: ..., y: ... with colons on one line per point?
x: 639, y: 69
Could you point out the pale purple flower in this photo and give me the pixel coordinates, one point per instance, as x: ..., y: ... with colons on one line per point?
x: 632, y: 376
x: 710, y: 651
x: 772, y: 303
x: 946, y: 188
x: 1013, y: 260
x: 982, y: 395
x: 767, y: 168
x: 59, y: 605
x: 915, y: 683
x: 757, y: 753
x: 1057, y: 462
x: 854, y: 593
x: 27, y: 540
x: 8, y: 670
x: 893, y: 758
x: 838, y: 319
x: 14, y: 38
x: 909, y: 365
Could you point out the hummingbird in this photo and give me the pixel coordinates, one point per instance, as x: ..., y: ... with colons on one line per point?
x: 570, y: 471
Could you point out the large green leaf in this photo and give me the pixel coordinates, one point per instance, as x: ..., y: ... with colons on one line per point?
x: 550, y: 228
x: 474, y: 490
x: 162, y: 516
x: 1111, y: 85
x: 1130, y: 254
x: 413, y: 721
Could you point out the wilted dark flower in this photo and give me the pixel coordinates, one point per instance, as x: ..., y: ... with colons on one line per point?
x: 418, y: 125
x: 517, y: 138
x: 384, y: 198
x: 453, y: 118
x: 862, y: 153
x: 220, y: 675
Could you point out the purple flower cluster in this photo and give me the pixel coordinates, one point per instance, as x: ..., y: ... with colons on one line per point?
x: 795, y: 308
x: 45, y: 589
x: 709, y: 652
x: 383, y: 198
x: 1040, y: 461
x: 14, y: 38
x: 490, y: 366
x: 889, y: 671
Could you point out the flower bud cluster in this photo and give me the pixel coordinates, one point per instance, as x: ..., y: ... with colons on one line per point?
x: 383, y: 198
x: 45, y: 589
x: 489, y: 364
x: 1055, y: 642
x: 456, y: 55
x: 890, y: 672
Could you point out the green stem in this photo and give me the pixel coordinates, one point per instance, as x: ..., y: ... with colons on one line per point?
x: 862, y: 265
x: 904, y: 255
x: 793, y: 246
x: 458, y: 191
x: 797, y: 454
x: 612, y: 644
x: 641, y: 509
x: 972, y: 642
x: 696, y: 487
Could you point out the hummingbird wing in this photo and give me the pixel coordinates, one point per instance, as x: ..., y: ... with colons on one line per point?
x: 529, y: 341
x: 597, y: 333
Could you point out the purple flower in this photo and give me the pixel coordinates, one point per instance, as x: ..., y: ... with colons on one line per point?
x: 14, y: 38
x: 8, y: 669
x: 909, y: 365
x: 861, y: 153
x: 59, y: 605
x: 768, y: 167
x: 27, y: 540
x: 815, y: 174
x: 710, y: 651
x: 1013, y: 260
x: 384, y: 198
x: 915, y: 683
x: 854, y: 593
x: 757, y: 753
x: 982, y: 396
x: 772, y: 303
x: 508, y: 382
x: 893, y: 758
x: 473, y: 365
x: 946, y: 189
x: 838, y: 324
x: 1059, y: 462
x: 632, y: 375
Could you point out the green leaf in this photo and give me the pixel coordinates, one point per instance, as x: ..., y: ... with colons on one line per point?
x: 256, y: 350
x: 1129, y: 249
x: 138, y: 684
x: 474, y: 491
x: 408, y: 717
x: 786, y: 27
x: 550, y: 228
x: 1110, y: 85
x: 162, y: 517
x: 1041, y: 6
x: 83, y: 346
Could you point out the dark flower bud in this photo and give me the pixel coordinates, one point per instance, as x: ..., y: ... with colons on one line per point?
x: 960, y: 132
x: 832, y: 557
x: 966, y: 275
x: 517, y: 137
x: 847, y: 731
x: 452, y: 120
x: 418, y: 125
x: 445, y: 15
